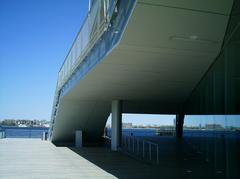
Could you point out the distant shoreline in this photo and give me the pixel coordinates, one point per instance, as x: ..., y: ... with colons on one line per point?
x: 24, y: 127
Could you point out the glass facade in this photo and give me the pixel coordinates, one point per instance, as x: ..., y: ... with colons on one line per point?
x: 218, y: 91
x: 216, y: 139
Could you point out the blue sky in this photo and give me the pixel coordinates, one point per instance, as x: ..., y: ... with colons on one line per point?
x: 35, y: 36
x: 146, y: 119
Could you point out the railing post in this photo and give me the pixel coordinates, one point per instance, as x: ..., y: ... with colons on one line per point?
x: 133, y: 143
x: 143, y: 149
x: 129, y: 144
x: 125, y: 141
x: 126, y: 144
x: 150, y: 151
x: 138, y: 146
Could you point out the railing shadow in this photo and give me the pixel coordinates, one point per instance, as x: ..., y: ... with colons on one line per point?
x: 175, y: 161
x: 121, y: 165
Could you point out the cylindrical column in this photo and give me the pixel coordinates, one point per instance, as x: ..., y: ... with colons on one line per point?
x: 116, y: 124
x: 179, y: 125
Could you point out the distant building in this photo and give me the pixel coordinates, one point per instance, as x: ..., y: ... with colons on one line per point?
x: 213, y: 126
x: 25, y: 123
x: 8, y: 122
x: 127, y: 125
x: 167, y: 128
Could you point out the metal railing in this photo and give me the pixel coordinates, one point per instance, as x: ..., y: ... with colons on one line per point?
x: 94, y: 26
x: 141, y: 148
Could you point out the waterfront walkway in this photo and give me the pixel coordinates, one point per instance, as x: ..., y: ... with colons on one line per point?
x: 33, y: 158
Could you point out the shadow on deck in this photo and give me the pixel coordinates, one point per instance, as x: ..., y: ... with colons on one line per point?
x: 176, y: 161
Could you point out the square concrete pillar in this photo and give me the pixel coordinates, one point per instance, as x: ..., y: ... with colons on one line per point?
x: 78, y: 139
x: 44, y: 136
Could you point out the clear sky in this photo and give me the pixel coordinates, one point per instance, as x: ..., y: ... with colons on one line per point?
x: 146, y: 119
x: 35, y: 36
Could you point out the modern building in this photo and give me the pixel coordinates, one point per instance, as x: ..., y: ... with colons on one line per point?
x: 155, y: 57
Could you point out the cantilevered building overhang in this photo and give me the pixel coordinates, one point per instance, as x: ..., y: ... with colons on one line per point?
x: 149, y: 54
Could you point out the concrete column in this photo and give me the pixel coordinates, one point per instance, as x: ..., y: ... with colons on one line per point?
x: 179, y: 125
x: 44, y: 136
x: 116, y: 125
x: 78, y: 139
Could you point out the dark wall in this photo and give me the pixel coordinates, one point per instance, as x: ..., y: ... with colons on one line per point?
x: 219, y: 90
